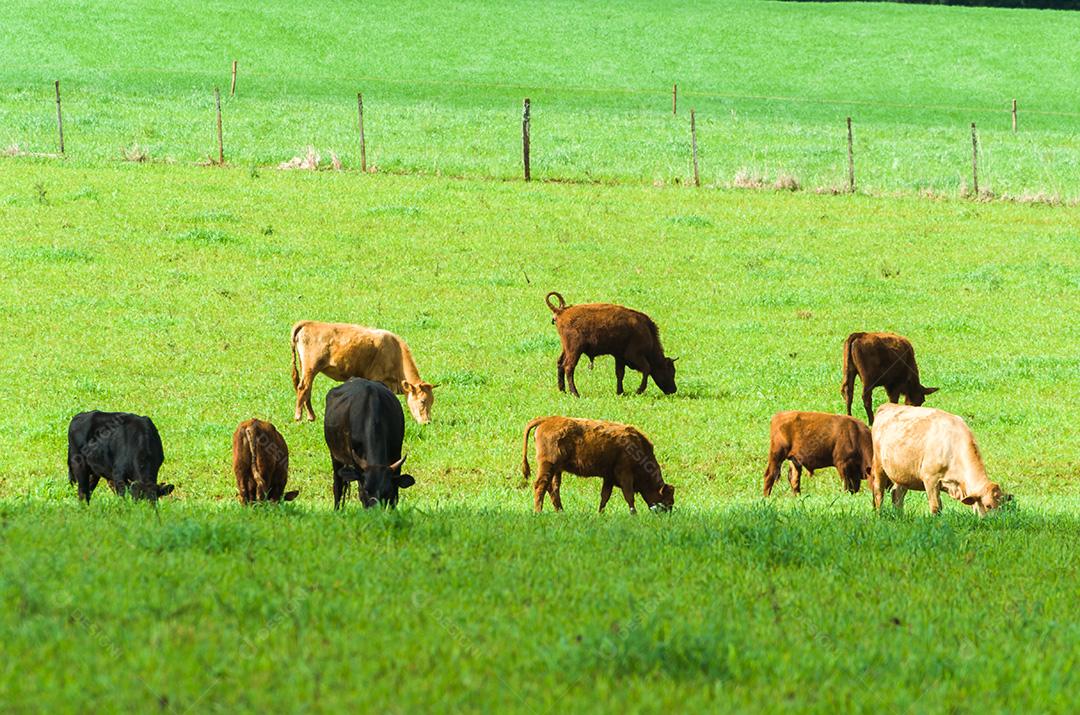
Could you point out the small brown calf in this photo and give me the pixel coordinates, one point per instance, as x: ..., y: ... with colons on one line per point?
x: 630, y: 336
x: 881, y: 360
x: 618, y: 453
x: 260, y: 463
x: 817, y: 440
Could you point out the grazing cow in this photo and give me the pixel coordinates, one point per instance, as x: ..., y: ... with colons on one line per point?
x: 364, y: 428
x: 341, y: 351
x: 882, y: 360
x: 929, y: 450
x: 591, y: 448
x: 260, y: 463
x: 816, y: 440
x: 123, y: 448
x: 631, y: 337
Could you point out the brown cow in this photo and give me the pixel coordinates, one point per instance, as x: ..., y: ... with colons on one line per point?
x: 882, y: 360
x: 341, y: 351
x: 591, y: 448
x: 929, y: 450
x: 816, y: 440
x: 260, y: 463
x: 631, y: 337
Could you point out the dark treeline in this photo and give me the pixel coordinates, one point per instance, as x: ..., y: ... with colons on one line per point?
x: 1032, y: 4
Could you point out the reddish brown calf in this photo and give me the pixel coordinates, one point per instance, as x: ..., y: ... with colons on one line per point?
x: 816, y: 440
x: 881, y: 360
x: 630, y: 336
x: 260, y: 463
x: 618, y: 453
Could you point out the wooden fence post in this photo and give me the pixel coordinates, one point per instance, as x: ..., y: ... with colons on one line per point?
x: 674, y: 98
x: 693, y: 147
x: 363, y: 142
x: 975, y: 159
x: 525, y: 139
x: 232, y: 87
x: 1014, y: 115
x: 850, y: 159
x: 59, y: 118
x: 220, y: 142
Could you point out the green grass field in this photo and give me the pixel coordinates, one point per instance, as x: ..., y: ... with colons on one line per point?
x: 772, y: 84
x: 169, y: 289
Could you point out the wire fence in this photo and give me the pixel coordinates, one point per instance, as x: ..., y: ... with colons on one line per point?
x: 668, y: 147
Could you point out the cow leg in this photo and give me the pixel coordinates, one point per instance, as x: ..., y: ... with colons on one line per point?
x: 605, y: 492
x: 562, y: 372
x: 540, y: 486
x: 79, y: 471
x: 933, y: 495
x: 772, y: 470
x: 571, y: 364
x: 645, y: 371
x: 848, y: 390
x: 898, y: 495
x: 868, y: 402
x: 553, y: 489
x: 877, y: 483
x: 893, y: 393
x: 620, y: 372
x: 339, y: 484
x: 795, y: 478
x: 628, y: 493
x: 303, y: 394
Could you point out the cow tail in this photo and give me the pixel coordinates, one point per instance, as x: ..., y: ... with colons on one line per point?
x: 848, y: 384
x: 525, y: 471
x: 295, y: 374
x: 556, y: 309
x: 249, y: 433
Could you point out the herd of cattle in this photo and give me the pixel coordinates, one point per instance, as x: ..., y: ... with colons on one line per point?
x: 907, y: 446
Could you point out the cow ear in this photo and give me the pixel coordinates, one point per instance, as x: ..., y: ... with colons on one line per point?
x: 969, y: 499
x: 404, y: 481
x: 362, y: 464
x: 406, y: 387
x: 930, y: 390
x: 674, y: 359
x: 396, y: 466
x: 289, y: 496
x: 165, y: 490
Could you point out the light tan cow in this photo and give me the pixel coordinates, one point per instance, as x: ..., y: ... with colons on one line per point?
x: 341, y: 351
x: 929, y: 450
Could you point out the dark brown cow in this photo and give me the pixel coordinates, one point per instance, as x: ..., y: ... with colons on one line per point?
x: 260, y: 463
x: 618, y: 453
x: 816, y: 440
x: 631, y: 337
x: 882, y: 360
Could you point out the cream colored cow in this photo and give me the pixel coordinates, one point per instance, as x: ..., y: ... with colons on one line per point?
x: 341, y: 351
x: 929, y: 450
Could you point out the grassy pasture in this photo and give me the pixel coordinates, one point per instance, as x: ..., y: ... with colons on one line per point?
x: 772, y: 83
x: 169, y: 290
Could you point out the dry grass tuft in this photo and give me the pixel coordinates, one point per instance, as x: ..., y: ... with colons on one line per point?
x: 786, y: 182
x: 748, y: 179
x: 135, y: 153
x: 308, y: 162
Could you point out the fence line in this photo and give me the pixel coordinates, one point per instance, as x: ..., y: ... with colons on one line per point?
x: 693, y: 144
x: 1007, y: 106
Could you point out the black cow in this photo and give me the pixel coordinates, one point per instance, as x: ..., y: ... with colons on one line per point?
x: 123, y: 448
x: 364, y: 427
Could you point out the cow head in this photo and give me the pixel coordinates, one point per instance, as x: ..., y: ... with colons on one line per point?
x: 918, y: 395
x: 381, y: 483
x: 149, y: 490
x: 991, y: 498
x: 661, y: 500
x: 664, y: 375
x: 420, y: 396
